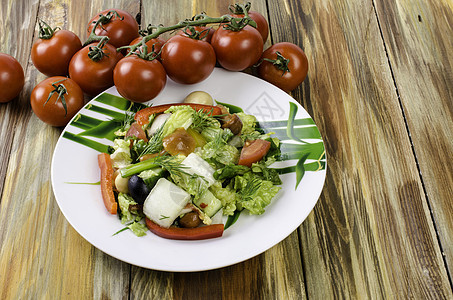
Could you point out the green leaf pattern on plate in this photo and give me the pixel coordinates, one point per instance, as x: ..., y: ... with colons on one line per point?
x: 300, y: 138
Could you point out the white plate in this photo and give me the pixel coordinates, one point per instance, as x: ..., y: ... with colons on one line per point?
x: 82, y: 203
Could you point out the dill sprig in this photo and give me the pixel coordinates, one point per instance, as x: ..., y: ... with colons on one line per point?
x: 154, y: 143
x: 129, y: 114
x: 250, y: 189
x: 172, y: 165
x: 201, y: 120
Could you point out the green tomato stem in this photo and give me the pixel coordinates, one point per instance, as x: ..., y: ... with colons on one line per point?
x: 103, y: 19
x: 240, y: 9
x: 61, y: 90
x: 96, y: 53
x: 280, y: 62
x: 45, y: 31
x: 198, y: 20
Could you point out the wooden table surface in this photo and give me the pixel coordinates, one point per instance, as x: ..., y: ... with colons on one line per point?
x: 380, y: 89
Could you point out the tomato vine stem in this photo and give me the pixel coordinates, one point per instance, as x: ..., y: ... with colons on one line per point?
x: 103, y: 19
x: 240, y: 9
x: 202, y: 19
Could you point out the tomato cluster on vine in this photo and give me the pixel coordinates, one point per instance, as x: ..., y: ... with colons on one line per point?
x: 138, y: 62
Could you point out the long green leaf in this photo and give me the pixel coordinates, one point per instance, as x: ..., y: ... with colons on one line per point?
x: 300, y: 170
x: 290, y: 127
x: 284, y: 123
x: 296, y: 151
x: 297, y: 133
x: 112, y: 100
x: 119, y: 102
x: 86, y: 142
x: 312, y: 166
x: 105, y: 111
x: 232, y: 219
x: 105, y: 129
x: 85, y: 122
x: 231, y: 108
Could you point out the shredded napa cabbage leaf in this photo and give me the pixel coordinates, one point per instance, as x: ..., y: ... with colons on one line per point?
x: 121, y: 157
x: 181, y: 116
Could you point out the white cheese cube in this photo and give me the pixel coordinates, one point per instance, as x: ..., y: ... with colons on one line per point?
x: 196, y: 165
x: 165, y: 202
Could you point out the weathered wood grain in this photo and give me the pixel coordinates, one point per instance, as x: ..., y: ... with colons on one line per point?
x: 371, y: 234
x: 418, y: 40
x: 41, y: 254
x: 375, y: 66
x: 16, y: 34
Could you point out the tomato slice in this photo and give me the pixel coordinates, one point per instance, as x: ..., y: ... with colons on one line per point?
x: 142, y: 116
x: 176, y: 233
x: 253, y: 152
x: 137, y: 131
x: 105, y: 164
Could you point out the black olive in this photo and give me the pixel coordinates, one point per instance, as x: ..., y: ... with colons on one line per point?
x: 138, y: 189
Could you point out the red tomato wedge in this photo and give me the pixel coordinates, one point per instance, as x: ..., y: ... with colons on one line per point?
x: 105, y: 164
x: 253, y: 152
x: 137, y: 131
x: 175, y: 233
x: 142, y: 116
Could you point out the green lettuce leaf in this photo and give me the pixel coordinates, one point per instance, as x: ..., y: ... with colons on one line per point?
x: 227, y: 196
x: 181, y: 116
x: 121, y: 157
x: 255, y: 193
x: 126, y: 216
x: 138, y: 228
x: 248, y: 123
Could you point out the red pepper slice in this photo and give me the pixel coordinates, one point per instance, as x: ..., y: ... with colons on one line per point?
x: 105, y: 164
x: 176, y: 233
x: 142, y: 116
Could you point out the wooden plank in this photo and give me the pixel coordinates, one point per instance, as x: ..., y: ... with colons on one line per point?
x: 275, y: 274
x: 16, y: 34
x: 371, y: 234
x: 14, y: 37
x: 418, y: 40
x: 42, y: 255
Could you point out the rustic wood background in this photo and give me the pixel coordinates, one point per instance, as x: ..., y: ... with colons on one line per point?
x: 380, y: 88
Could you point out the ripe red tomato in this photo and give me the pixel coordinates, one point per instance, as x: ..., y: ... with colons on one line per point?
x: 94, y: 76
x: 237, y: 50
x: 286, y: 75
x: 261, y: 23
x: 56, y: 100
x: 138, y: 79
x: 52, y: 52
x: 11, y: 78
x: 187, y: 60
x: 119, y: 25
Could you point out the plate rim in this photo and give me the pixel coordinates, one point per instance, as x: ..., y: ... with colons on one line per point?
x: 268, y: 245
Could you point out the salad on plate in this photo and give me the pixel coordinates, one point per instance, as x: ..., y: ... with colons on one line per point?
x: 177, y: 169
